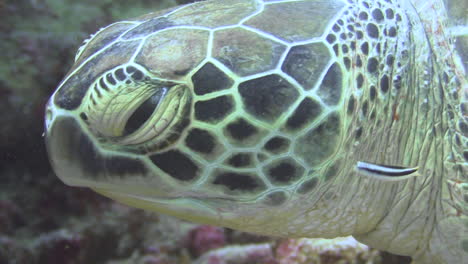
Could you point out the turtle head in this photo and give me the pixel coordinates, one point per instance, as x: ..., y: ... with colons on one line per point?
x: 212, y: 122
x: 115, y: 122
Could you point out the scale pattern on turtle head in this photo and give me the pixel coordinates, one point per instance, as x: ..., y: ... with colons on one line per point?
x: 225, y: 112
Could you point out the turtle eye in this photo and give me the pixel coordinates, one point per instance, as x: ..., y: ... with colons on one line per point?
x: 152, y: 119
x: 144, y: 111
x: 128, y: 111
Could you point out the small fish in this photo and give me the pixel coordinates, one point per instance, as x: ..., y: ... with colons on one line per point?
x: 385, y: 172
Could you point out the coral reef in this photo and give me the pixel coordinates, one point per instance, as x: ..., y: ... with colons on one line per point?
x: 205, y: 238
x: 339, y: 250
x: 42, y: 221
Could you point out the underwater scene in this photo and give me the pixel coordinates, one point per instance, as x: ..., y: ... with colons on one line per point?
x: 233, y: 132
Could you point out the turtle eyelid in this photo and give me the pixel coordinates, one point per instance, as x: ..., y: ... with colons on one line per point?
x: 144, y: 111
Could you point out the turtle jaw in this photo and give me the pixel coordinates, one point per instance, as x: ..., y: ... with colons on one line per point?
x: 187, y: 208
x: 216, y: 211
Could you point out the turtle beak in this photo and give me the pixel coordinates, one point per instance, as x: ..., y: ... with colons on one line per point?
x: 78, y: 160
x: 71, y: 152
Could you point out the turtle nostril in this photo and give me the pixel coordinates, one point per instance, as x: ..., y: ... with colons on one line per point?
x: 49, y: 115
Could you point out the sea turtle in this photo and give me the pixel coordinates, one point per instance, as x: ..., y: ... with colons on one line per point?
x: 293, y: 118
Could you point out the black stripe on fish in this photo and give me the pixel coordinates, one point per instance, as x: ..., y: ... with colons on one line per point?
x: 385, y: 172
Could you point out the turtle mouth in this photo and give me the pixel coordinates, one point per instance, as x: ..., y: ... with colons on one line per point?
x: 187, y: 208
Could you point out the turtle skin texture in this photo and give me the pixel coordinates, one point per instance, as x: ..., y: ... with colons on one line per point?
x: 253, y: 114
